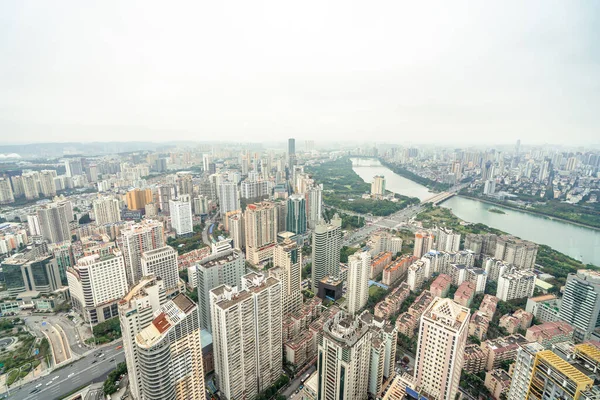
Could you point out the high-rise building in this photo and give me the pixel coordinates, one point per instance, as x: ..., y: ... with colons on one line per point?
x: 253, y: 189
x: 521, y: 253
x: 545, y: 169
x: 138, y: 198
x: 287, y: 259
x: 523, y: 368
x: 443, y: 336
x: 314, y: 205
x: 17, y: 186
x: 47, y: 186
x: 247, y: 336
x: 423, y: 244
x: 169, y: 353
x: 580, y: 305
x: 235, y: 224
x: 343, y: 359
x: 107, y: 210
x: 224, y: 268
x: 30, y: 187
x: 447, y: 240
x: 33, y: 222
x: 229, y: 198
x: 136, y: 239
x: 185, y: 185
x: 54, y: 219
x: 73, y: 167
x: 200, y: 205
x: 181, y: 217
x: 260, y: 223
x: 96, y: 285
x: 378, y: 186
x: 295, y: 219
x: 326, y: 247
x: 136, y: 312
x: 358, y: 281
x: 162, y: 263
x: 515, y: 284
x: 26, y: 273
x: 6, y: 192
x: 164, y: 194
x: 291, y: 153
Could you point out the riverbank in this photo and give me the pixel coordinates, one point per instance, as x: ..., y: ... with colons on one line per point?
x: 421, y: 180
x: 530, y: 211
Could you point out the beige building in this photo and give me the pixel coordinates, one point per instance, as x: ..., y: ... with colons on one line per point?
x: 162, y: 262
x: 136, y: 239
x: 378, y: 186
x: 440, y: 350
x: 138, y: 198
x: 260, y: 223
x: 358, y: 281
x: 287, y: 259
x: 107, y: 210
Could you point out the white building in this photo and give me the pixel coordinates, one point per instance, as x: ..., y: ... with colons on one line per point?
x: 515, y: 284
x: 252, y: 189
x: 326, y: 245
x: 54, y: 219
x: 314, y: 205
x: 107, y: 210
x: 96, y: 285
x: 136, y: 312
x: 136, y: 239
x: 358, y: 281
x: 523, y: 369
x: 229, y: 199
x: 162, y: 263
x: 181, y: 217
x: 447, y: 240
x: 247, y: 336
x: 170, y: 353
x: 443, y: 336
x: 6, y: 192
x: 344, y: 358
x: 378, y: 186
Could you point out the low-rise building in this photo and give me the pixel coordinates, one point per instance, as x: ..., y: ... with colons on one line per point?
x: 478, y: 325
x: 501, y: 349
x: 407, y: 324
x: 488, y: 305
x: 465, y: 293
x: 391, y: 304
x: 544, y: 308
x: 397, y: 270
x: 379, y: 263
x: 550, y: 333
x: 497, y: 382
x: 475, y: 359
x: 441, y: 285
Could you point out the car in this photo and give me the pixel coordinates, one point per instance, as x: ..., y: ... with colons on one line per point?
x: 49, y: 383
x: 56, y: 377
x: 112, y: 359
x: 94, y: 362
x: 38, y: 385
x: 101, y: 355
x: 71, y: 374
x: 34, y: 391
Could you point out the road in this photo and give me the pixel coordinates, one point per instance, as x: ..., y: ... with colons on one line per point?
x: 295, y: 384
x: 82, y: 372
x: 205, y: 237
x: 69, y: 331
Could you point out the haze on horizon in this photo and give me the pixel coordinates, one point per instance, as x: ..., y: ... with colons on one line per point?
x: 390, y: 71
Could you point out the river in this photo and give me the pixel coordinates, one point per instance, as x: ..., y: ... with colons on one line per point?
x: 576, y: 241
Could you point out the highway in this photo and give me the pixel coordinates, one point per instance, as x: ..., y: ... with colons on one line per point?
x: 89, y: 369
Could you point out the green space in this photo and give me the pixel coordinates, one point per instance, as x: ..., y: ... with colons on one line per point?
x: 346, y: 252
x: 343, y: 189
x: 106, y: 331
x: 186, y: 244
x: 429, y: 183
x: 376, y: 294
x: 474, y: 384
x: 349, y: 222
x: 496, y: 211
x: 110, y: 386
x: 271, y: 392
x: 23, y: 355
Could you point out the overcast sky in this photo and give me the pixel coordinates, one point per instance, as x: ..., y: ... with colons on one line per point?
x: 261, y: 71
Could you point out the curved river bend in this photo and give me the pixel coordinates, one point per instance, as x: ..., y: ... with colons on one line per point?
x: 576, y: 241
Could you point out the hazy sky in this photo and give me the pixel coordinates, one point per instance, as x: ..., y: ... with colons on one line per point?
x: 261, y: 71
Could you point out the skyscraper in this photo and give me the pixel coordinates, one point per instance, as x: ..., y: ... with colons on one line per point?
x: 54, y: 219
x: 185, y: 185
x: 296, y: 214
x: 314, y: 205
x: 181, y: 217
x: 247, y: 336
x: 73, y: 167
x: 136, y: 312
x: 170, y: 353
x: 343, y: 358
x: 326, y: 246
x: 358, y: 281
x: 136, y: 239
x: 162, y: 263
x: 287, y: 259
x: 378, y: 186
x: 442, y: 339
x: 580, y: 305
x: 96, y: 285
x: 229, y: 197
x: 225, y: 268
x: 523, y: 368
x: 106, y: 210
x: 6, y: 193
x: 291, y: 153
x: 447, y: 240
x: 47, y: 182
x: 138, y: 198
x: 423, y: 244
x: 260, y: 223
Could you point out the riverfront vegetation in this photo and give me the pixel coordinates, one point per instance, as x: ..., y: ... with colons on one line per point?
x: 496, y: 210
x: 586, y: 214
x: 429, y: 183
x: 551, y: 261
x: 343, y: 189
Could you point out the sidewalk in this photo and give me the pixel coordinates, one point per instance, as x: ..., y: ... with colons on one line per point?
x: 31, y: 376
